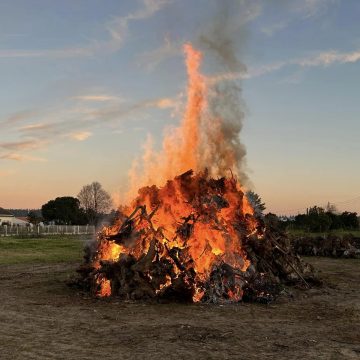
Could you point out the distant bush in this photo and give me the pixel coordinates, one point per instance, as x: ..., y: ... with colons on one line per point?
x: 318, y: 219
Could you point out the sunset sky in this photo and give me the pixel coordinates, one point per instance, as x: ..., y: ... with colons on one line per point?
x: 83, y: 82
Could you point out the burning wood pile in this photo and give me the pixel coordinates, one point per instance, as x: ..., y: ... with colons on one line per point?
x: 331, y: 245
x: 194, y: 239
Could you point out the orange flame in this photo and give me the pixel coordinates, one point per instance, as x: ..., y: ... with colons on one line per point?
x: 181, y: 146
x: 210, y: 238
x: 213, y: 237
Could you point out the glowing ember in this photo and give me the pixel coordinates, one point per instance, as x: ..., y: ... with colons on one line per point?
x: 194, y: 220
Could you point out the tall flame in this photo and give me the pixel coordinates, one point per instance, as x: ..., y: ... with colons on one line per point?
x: 211, y: 207
x: 199, y: 142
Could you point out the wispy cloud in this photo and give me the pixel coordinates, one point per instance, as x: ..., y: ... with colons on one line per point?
x: 118, y: 27
x: 117, y: 30
x: 80, y: 136
x: 153, y: 58
x: 72, y: 122
x: 326, y: 58
x: 163, y: 103
x: 19, y: 150
x: 34, y: 127
x: 21, y: 157
x: 97, y: 98
x: 270, y: 30
x: 329, y: 58
x: 51, y: 53
x: 310, y: 8
x: 17, y: 118
x: 23, y: 145
x: 78, y: 120
x: 252, y: 11
x: 298, y: 10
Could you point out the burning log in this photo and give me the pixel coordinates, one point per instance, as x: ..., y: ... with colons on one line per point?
x: 199, y: 241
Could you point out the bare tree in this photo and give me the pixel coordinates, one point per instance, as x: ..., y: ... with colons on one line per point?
x: 94, y: 200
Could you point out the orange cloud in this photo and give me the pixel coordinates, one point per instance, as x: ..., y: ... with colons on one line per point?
x: 80, y: 136
x: 20, y: 157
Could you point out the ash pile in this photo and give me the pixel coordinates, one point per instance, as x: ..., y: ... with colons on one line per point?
x: 346, y: 246
x: 196, y: 239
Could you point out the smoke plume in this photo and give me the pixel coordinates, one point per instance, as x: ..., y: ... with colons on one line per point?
x: 221, y: 131
x: 209, y: 134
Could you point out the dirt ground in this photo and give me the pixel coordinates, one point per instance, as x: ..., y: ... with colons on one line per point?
x: 41, y: 318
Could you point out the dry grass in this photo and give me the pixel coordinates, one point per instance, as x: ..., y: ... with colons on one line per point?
x: 42, y: 318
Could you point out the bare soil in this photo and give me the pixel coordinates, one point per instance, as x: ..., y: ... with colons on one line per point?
x: 41, y: 318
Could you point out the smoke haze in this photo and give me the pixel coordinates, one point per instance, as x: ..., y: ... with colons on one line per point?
x: 209, y: 134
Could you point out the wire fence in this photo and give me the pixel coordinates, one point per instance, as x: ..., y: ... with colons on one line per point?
x: 43, y: 230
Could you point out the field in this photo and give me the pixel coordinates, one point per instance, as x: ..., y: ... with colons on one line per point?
x: 41, y: 250
x: 41, y: 318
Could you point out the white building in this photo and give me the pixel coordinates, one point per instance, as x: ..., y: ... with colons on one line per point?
x: 6, y: 217
x: 20, y: 222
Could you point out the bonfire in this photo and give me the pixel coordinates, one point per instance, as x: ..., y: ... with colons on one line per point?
x: 190, y: 234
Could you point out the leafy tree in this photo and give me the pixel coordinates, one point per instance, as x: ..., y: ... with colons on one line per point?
x: 273, y: 221
x: 336, y: 221
x: 349, y: 220
x: 95, y: 201
x: 256, y: 202
x: 301, y: 221
x: 318, y: 220
x: 34, y: 217
x: 64, y: 211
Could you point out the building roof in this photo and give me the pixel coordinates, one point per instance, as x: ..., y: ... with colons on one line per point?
x: 4, y: 212
x: 23, y: 218
x: 17, y: 221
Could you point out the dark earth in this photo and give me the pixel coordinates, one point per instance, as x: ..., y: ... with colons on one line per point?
x: 42, y: 318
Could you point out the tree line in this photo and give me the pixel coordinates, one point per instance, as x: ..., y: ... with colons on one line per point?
x: 318, y: 219
x: 91, y: 206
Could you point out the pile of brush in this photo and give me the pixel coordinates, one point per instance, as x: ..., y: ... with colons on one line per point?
x: 150, y: 266
x: 330, y: 245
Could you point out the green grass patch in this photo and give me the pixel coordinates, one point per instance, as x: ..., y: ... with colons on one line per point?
x: 41, y: 250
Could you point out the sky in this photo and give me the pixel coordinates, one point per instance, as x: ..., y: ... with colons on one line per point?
x: 83, y: 83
